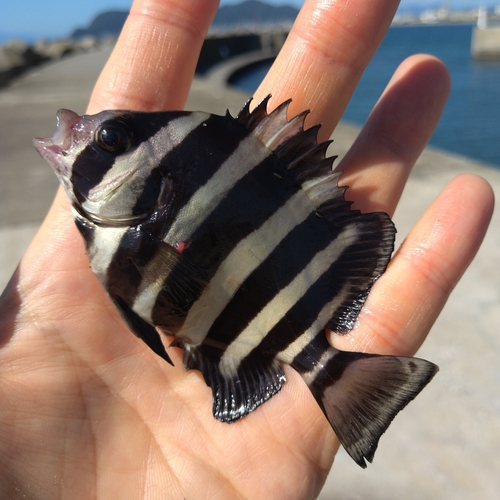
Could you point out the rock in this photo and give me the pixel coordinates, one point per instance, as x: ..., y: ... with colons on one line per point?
x: 11, y: 64
x: 16, y: 55
x: 59, y: 48
x: 42, y: 47
x: 86, y: 43
x: 30, y: 56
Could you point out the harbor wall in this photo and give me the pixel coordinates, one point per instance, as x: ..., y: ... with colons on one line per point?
x: 219, y: 48
x: 17, y: 56
x: 485, y: 45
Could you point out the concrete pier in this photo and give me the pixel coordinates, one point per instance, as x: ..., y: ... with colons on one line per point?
x: 446, y: 444
x: 485, y: 44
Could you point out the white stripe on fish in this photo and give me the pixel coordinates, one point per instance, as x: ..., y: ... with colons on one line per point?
x: 207, y: 197
x: 241, y: 262
x: 298, y: 345
x: 253, y: 334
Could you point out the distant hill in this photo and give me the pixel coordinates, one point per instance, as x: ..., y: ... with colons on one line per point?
x: 245, y: 13
x: 105, y: 24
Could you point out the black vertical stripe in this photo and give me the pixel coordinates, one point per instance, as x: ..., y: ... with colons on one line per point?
x: 284, y: 263
x: 192, y: 163
x: 251, y: 201
x: 306, y: 310
x: 307, y: 359
x: 93, y: 163
x: 147, y: 200
x: 351, y: 274
x: 188, y: 165
x: 124, y: 274
x: 89, y: 169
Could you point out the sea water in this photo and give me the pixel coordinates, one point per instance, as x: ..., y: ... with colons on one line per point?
x: 470, y: 124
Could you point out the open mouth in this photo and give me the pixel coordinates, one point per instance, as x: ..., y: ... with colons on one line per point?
x: 60, y: 142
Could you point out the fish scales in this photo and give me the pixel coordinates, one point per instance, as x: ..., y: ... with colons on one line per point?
x: 233, y: 236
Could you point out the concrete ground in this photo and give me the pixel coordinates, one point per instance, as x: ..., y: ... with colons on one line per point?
x: 446, y: 444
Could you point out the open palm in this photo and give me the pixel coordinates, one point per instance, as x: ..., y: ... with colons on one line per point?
x: 87, y: 410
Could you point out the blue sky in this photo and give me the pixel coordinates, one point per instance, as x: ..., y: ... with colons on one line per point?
x: 58, y: 18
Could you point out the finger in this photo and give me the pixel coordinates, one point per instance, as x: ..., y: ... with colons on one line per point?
x: 154, y: 60
x: 378, y: 164
x: 405, y: 302
x: 326, y: 52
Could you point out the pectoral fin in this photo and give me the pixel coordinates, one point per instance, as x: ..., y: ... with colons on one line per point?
x: 142, y: 329
x: 168, y: 273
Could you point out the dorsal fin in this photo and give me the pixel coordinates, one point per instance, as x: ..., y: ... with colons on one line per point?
x: 309, y: 167
x: 300, y: 151
x: 248, y: 118
x: 273, y: 129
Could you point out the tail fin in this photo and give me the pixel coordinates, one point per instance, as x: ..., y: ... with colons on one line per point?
x: 360, y: 394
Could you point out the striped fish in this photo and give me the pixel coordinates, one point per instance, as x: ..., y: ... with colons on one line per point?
x: 233, y: 236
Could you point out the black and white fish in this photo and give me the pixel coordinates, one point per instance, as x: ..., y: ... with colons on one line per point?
x: 233, y: 236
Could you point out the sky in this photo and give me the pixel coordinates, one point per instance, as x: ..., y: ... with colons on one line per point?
x: 30, y: 20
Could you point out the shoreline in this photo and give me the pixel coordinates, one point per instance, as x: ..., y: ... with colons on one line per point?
x: 34, y: 39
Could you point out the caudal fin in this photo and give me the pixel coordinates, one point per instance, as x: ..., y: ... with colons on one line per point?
x: 360, y: 394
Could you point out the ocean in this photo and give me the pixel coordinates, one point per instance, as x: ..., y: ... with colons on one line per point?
x: 470, y: 124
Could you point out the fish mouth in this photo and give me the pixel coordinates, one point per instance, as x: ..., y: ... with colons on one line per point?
x: 61, y: 141
x: 55, y: 149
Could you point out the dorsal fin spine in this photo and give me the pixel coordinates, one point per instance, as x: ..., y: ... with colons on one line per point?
x: 299, y: 149
x: 252, y: 119
x: 320, y: 169
x: 316, y: 154
x: 272, y: 125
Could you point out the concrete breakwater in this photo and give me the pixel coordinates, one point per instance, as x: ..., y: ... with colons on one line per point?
x: 446, y: 443
x: 17, y: 56
x: 485, y: 44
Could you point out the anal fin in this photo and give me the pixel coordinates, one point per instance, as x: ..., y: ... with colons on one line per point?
x: 235, y: 392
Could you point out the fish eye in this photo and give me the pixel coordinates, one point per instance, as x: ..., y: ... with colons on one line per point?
x: 114, y: 137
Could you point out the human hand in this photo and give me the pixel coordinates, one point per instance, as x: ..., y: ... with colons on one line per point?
x: 87, y: 410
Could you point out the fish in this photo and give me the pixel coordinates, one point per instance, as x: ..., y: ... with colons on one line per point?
x: 231, y: 237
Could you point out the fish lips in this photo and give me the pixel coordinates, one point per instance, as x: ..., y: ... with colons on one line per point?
x: 61, y: 141
x: 55, y: 148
